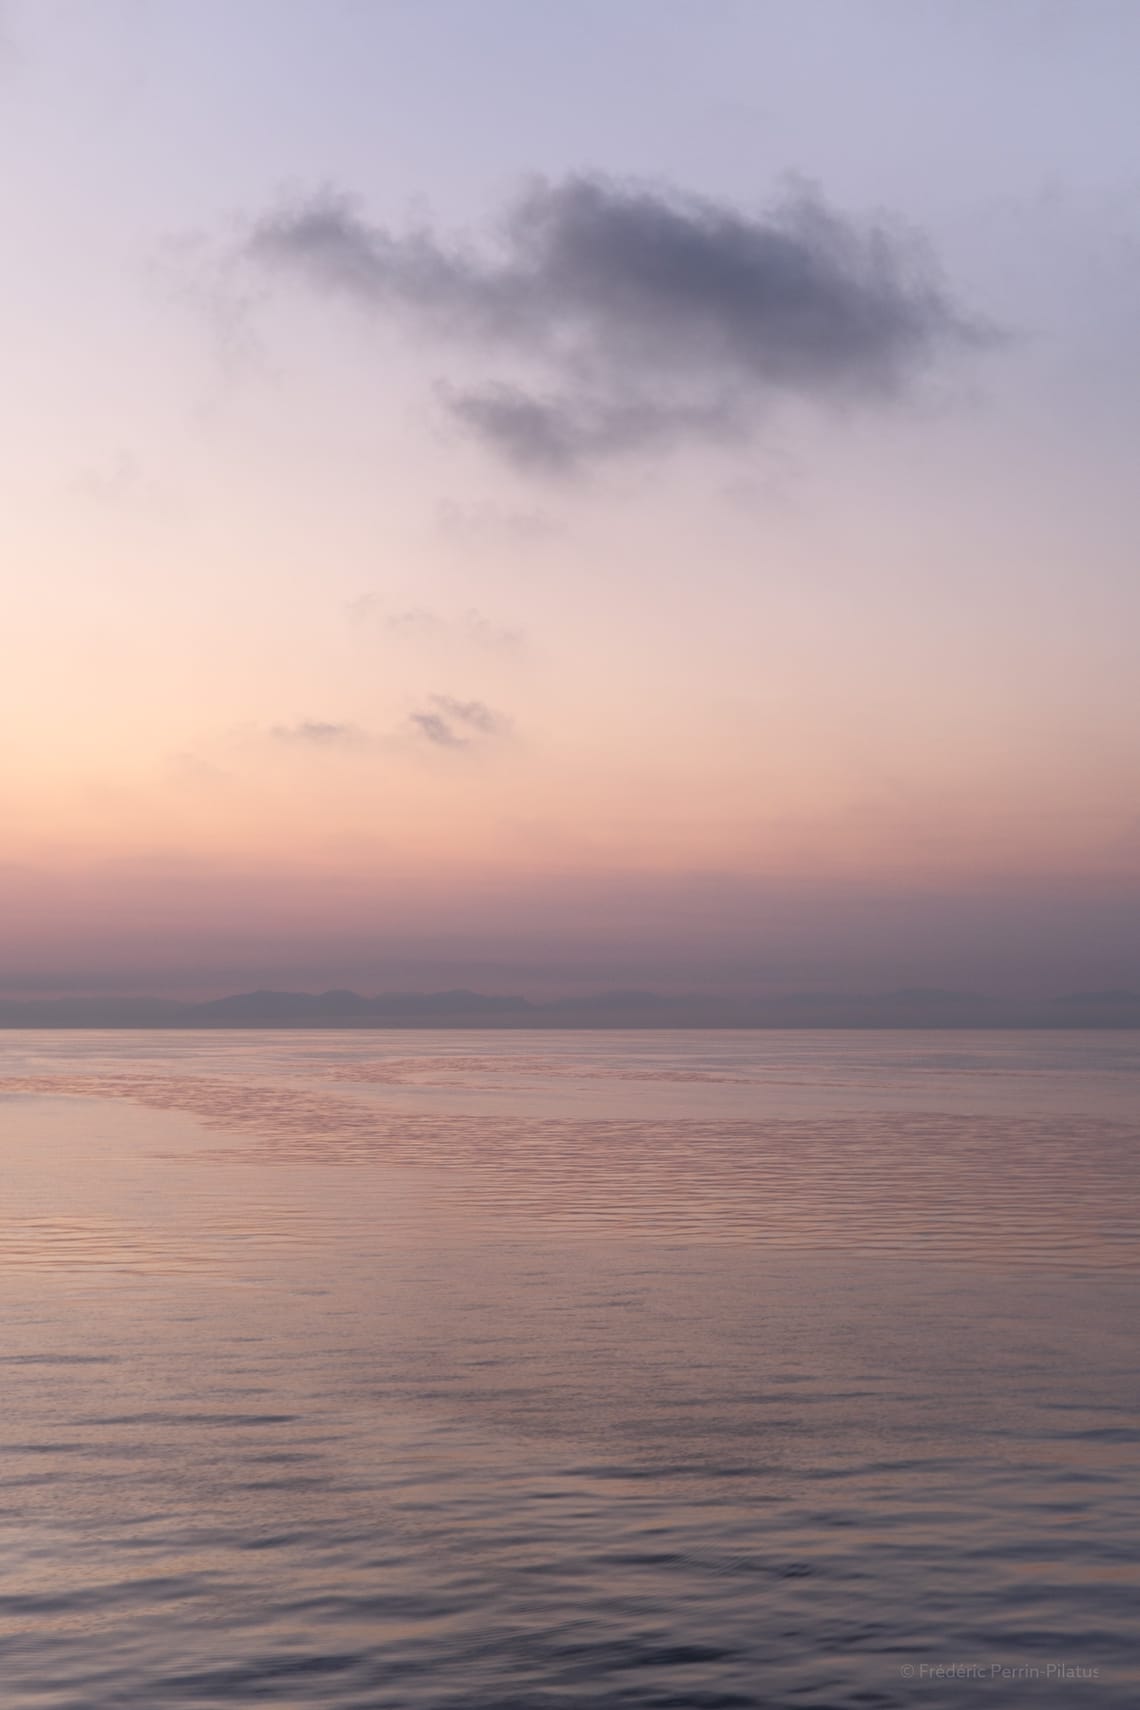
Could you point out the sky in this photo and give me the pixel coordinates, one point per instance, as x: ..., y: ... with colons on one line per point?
x: 608, y: 493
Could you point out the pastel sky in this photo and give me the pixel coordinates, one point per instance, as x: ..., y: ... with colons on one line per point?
x: 555, y: 496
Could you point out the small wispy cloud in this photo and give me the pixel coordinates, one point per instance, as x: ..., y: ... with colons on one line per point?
x: 436, y: 729
x: 423, y: 623
x: 470, y: 626
x: 446, y: 722
x: 120, y: 482
x: 317, y: 733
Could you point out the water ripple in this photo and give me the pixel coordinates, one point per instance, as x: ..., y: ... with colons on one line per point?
x: 680, y: 1375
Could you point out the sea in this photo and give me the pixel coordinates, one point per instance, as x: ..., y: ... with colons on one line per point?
x: 520, y: 1371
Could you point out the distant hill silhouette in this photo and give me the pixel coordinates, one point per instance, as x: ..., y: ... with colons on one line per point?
x: 917, y: 1007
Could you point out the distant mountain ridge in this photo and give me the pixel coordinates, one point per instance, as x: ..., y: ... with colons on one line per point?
x: 917, y: 1007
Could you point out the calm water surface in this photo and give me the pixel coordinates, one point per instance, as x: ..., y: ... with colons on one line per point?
x: 497, y: 1371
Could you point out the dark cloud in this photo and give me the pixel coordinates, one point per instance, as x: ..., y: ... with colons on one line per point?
x: 450, y: 723
x: 555, y: 434
x: 642, y: 317
x: 313, y: 733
